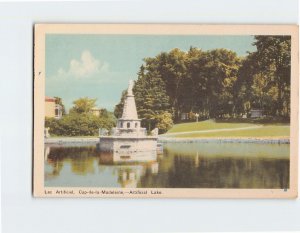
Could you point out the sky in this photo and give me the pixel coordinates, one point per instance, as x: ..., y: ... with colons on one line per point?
x: 100, y: 66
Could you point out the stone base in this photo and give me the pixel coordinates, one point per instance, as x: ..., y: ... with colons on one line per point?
x: 127, y: 144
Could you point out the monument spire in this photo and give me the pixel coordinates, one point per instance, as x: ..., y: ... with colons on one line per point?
x: 129, y: 110
x: 130, y: 86
x: 128, y: 136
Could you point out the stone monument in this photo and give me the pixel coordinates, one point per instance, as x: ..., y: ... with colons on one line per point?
x: 128, y: 138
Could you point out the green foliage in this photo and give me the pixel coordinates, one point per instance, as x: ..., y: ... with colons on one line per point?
x: 83, y: 105
x: 151, y: 98
x: 81, y: 121
x: 78, y: 125
x: 119, y: 107
x: 171, y: 69
x: 215, y: 79
x: 164, y: 122
x: 215, y: 83
x: 274, y: 56
x: 195, y: 81
x: 58, y: 100
x: 264, y: 77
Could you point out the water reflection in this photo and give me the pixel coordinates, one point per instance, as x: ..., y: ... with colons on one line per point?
x: 126, y: 158
x: 88, y: 161
x: 130, y: 167
x: 180, y: 166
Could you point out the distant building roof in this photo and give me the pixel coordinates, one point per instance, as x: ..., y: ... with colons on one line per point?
x: 49, y: 99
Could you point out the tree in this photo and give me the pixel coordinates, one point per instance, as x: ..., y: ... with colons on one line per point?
x: 274, y: 56
x: 243, y: 93
x: 213, y: 75
x: 151, y: 98
x: 215, y: 83
x: 264, y: 94
x: 83, y: 105
x: 264, y: 77
x: 107, y: 119
x: 79, y: 124
x: 164, y: 122
x: 171, y: 68
x: 81, y: 121
x: 58, y: 100
x: 119, y: 107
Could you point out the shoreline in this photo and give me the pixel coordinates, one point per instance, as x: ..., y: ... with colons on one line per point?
x: 72, y: 141
x: 227, y: 140
x: 94, y: 140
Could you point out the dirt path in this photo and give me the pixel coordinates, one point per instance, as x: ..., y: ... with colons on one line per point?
x: 212, y: 130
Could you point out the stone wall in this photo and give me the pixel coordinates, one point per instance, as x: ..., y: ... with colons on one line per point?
x: 128, y: 144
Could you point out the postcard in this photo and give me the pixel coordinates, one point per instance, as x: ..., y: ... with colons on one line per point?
x: 165, y: 111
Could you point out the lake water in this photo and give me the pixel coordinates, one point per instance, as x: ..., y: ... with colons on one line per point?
x: 181, y: 165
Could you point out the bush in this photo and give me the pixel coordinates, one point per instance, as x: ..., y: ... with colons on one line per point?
x: 76, y: 124
x: 164, y: 122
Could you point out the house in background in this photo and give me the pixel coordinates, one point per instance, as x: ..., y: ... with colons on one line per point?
x: 52, y: 109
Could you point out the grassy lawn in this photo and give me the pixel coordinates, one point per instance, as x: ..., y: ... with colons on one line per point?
x: 206, y: 125
x: 265, y: 131
x: 230, y: 130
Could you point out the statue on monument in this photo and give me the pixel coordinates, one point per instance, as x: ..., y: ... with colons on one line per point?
x: 130, y: 86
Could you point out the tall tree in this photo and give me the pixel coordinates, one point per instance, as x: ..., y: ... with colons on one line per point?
x: 213, y: 74
x: 151, y: 98
x: 119, y: 107
x: 215, y: 83
x: 274, y: 56
x: 171, y: 67
x: 243, y: 93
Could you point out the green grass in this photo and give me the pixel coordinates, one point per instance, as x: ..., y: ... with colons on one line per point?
x: 261, y: 131
x: 206, y: 125
x: 265, y: 131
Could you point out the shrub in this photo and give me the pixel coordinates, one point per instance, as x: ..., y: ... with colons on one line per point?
x: 76, y: 124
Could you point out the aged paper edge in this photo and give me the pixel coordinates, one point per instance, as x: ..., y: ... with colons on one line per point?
x: 40, y: 31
